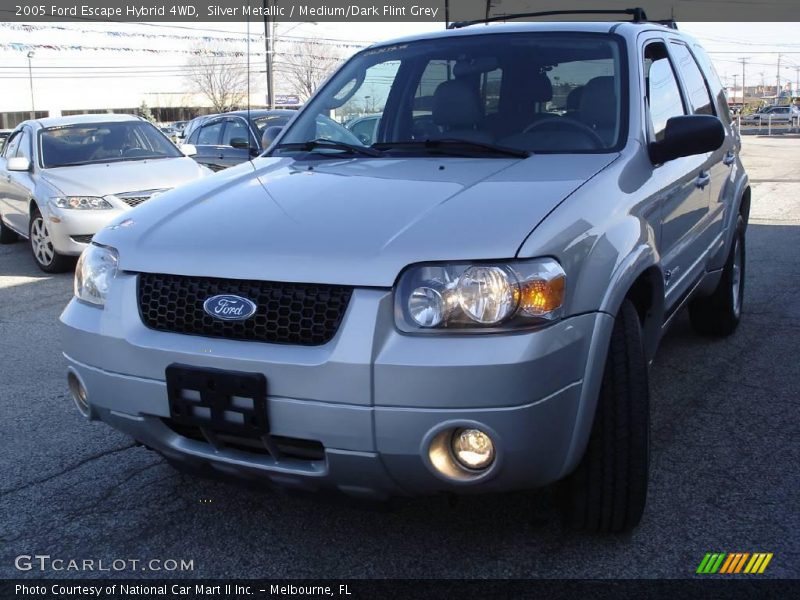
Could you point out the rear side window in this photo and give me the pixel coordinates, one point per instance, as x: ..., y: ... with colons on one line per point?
x: 716, y: 84
x: 664, y: 99
x: 693, y: 79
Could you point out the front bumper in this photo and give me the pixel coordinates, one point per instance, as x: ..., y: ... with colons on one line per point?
x: 63, y: 224
x: 372, y: 397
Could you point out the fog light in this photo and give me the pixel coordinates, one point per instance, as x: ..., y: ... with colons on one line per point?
x: 79, y: 395
x: 472, y: 448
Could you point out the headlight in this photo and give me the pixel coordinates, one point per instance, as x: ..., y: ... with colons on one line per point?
x: 479, y: 297
x: 81, y: 202
x: 96, y: 268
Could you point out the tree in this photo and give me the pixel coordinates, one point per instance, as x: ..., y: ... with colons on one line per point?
x: 305, y: 65
x: 220, y: 78
x: 146, y: 113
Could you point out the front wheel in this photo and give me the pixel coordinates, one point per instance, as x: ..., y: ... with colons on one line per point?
x: 607, y: 491
x: 719, y: 314
x: 41, y: 242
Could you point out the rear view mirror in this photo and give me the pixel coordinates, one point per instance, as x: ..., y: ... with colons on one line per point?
x: 188, y: 149
x: 687, y: 136
x: 18, y: 163
x: 240, y: 143
x: 269, y: 135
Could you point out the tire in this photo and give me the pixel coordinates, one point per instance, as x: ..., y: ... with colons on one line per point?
x: 719, y: 314
x: 47, y: 259
x: 607, y: 491
x: 7, y: 236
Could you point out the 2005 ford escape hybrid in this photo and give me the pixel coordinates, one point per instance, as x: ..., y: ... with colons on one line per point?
x: 468, y: 304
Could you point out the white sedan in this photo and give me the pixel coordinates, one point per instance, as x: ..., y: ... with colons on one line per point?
x: 63, y: 179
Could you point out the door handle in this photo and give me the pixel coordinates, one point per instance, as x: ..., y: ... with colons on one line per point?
x: 703, y: 179
x: 730, y: 157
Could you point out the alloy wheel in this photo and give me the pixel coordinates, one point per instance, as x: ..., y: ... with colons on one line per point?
x: 41, y: 244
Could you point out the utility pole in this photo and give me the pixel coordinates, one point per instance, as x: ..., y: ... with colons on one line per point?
x: 778, y: 81
x: 31, y: 54
x: 744, y: 62
x: 735, y: 80
x: 269, y: 45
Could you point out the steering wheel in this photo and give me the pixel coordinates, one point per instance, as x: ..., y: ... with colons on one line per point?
x: 135, y: 152
x: 569, y: 123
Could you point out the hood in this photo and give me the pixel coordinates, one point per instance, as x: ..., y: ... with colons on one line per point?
x: 103, y: 179
x: 356, y: 221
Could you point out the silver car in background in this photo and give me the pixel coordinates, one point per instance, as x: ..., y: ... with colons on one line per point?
x: 63, y: 179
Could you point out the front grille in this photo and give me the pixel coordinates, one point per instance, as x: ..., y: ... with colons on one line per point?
x: 136, y: 198
x: 286, y: 313
x: 82, y: 239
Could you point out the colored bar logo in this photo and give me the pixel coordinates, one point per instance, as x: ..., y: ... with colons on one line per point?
x: 734, y: 562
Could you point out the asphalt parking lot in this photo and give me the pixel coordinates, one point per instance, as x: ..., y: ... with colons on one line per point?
x: 724, y: 474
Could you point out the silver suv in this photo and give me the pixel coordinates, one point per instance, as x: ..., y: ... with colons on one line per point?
x: 467, y: 304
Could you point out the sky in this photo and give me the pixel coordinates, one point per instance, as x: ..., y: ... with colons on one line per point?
x: 107, y: 72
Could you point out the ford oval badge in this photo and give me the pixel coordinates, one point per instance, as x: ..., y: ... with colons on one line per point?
x: 229, y: 307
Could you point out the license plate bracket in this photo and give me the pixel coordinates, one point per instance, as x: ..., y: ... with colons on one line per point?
x: 219, y: 401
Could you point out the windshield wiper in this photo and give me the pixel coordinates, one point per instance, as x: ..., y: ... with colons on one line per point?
x: 108, y: 160
x: 312, y: 145
x: 453, y: 145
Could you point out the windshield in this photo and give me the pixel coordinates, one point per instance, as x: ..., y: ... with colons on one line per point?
x: 87, y: 143
x: 526, y: 92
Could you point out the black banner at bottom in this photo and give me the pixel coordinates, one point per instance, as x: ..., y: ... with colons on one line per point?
x: 357, y: 589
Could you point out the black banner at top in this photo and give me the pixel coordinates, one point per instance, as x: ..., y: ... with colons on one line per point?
x: 435, y: 11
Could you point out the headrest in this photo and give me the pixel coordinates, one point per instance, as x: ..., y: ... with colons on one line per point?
x: 599, y: 103
x: 574, y: 98
x: 456, y: 104
x: 540, y: 88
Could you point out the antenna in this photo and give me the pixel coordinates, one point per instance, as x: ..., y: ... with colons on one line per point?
x: 249, y: 133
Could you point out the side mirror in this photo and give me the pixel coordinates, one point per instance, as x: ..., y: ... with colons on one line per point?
x: 240, y: 143
x: 188, y: 150
x: 18, y: 163
x: 269, y: 135
x: 687, y: 136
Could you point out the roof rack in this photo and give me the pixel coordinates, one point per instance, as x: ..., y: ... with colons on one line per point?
x: 638, y: 15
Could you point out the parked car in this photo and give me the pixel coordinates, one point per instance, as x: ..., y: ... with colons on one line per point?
x: 4, y: 133
x: 179, y: 126
x: 365, y: 128
x: 227, y: 139
x: 64, y: 178
x: 468, y: 308
x: 773, y: 114
x: 194, y: 124
x: 171, y: 132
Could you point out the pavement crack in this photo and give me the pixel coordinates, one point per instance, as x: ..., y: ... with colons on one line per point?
x: 65, y: 470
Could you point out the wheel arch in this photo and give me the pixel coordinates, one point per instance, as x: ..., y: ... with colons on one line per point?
x: 640, y: 279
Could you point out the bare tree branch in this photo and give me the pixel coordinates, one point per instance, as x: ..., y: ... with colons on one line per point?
x: 304, y: 66
x: 219, y: 78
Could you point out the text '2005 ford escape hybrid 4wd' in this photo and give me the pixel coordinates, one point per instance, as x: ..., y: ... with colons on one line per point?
x: 468, y: 304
